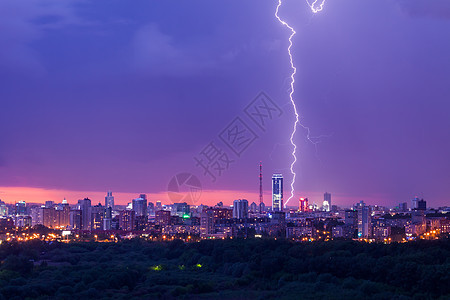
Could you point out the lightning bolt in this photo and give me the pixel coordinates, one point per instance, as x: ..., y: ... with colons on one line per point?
x: 315, y: 8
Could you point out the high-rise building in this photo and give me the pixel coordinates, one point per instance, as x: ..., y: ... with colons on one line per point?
x: 107, y: 219
x: 21, y: 208
x: 415, y: 203
x: 158, y: 205
x: 36, y: 215
x: 64, y: 214
x: 151, y: 208
x: 3, y: 209
x: 75, y: 217
x: 97, y: 217
x: 326, y: 201
x: 181, y: 209
x: 364, y: 220
x: 139, y: 205
x: 207, y: 222
x: 422, y: 205
x: 53, y: 216
x: 48, y: 217
x: 403, y: 207
x: 240, y: 209
x: 351, y: 217
x: 85, y: 207
x: 162, y: 217
x: 215, y: 221
x: 127, y: 220
x: 253, y: 207
x: 277, y: 192
x: 109, y: 200
x: 303, y: 205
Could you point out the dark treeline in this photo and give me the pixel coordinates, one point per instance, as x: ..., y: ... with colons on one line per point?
x: 225, y: 269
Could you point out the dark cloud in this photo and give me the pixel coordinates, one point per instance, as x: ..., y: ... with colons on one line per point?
x: 23, y: 23
x: 426, y: 8
x: 131, y: 90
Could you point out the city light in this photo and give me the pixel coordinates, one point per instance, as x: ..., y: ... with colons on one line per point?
x: 362, y: 222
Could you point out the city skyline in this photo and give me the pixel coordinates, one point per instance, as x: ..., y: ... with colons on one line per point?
x: 306, y: 223
x: 210, y: 198
x: 227, y: 149
x: 130, y: 198
x: 96, y: 100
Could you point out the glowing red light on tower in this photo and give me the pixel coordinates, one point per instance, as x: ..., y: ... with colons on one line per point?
x: 303, y: 204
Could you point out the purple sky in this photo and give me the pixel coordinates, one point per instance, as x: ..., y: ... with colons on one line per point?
x: 99, y: 95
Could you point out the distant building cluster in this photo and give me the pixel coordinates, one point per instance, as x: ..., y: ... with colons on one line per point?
x: 308, y: 222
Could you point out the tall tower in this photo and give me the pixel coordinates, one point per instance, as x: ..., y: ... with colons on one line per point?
x: 261, y: 201
x: 364, y: 220
x: 277, y: 192
x: 415, y: 203
x: 326, y: 201
x: 240, y: 209
x: 139, y: 205
x: 86, y: 211
x: 109, y: 200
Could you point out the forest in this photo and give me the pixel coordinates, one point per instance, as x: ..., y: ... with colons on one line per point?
x: 225, y: 269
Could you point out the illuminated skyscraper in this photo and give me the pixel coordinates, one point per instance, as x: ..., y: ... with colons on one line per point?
x: 127, y: 220
x: 107, y: 219
x: 326, y: 202
x: 415, y: 203
x: 97, y: 217
x: 277, y: 192
x: 139, y: 205
x: 64, y: 219
x: 303, y: 205
x: 109, y: 200
x: 364, y: 220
